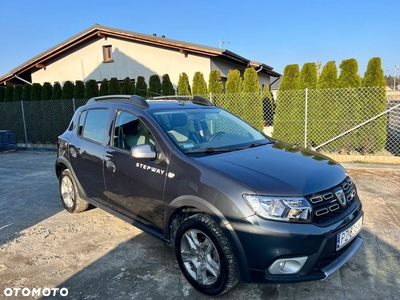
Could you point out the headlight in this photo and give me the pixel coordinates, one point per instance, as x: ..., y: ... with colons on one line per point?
x: 280, y: 208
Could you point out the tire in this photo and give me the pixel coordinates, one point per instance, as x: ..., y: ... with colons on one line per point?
x: 205, y: 255
x: 69, y: 194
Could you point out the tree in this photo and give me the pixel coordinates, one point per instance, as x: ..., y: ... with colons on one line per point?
x: 251, y: 98
x: 26, y: 93
x: 232, y: 97
x: 289, y: 95
x: 199, y: 85
x: 103, y: 91
x: 9, y: 94
x: 373, y: 135
x: 57, y: 91
x: 141, y: 86
x: 18, y: 92
x: 113, y: 86
x: 308, y: 76
x: 329, y: 76
x: 2, y: 93
x: 36, y: 93
x: 79, y: 90
x: 347, y: 115
x: 127, y: 87
x: 154, y: 85
x: 183, y: 85
x: 167, y: 88
x: 47, y: 91
x: 91, y: 89
x: 68, y: 90
x: 215, y: 87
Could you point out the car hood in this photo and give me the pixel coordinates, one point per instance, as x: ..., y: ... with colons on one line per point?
x: 279, y: 169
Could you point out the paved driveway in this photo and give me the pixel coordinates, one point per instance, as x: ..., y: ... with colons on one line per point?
x: 97, y: 256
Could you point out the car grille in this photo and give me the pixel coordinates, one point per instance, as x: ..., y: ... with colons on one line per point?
x: 332, y: 202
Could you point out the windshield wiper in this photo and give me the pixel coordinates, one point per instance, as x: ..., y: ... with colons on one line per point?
x: 209, y: 150
x: 254, y: 145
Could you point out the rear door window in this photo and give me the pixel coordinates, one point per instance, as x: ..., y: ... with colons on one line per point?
x: 92, y: 124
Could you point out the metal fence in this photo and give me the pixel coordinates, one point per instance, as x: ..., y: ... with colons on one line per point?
x: 38, y: 122
x: 362, y: 121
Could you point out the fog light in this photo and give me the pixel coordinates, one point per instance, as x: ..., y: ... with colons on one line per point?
x: 287, y: 265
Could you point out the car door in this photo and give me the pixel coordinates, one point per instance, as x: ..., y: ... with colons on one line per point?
x: 87, y: 152
x: 134, y: 187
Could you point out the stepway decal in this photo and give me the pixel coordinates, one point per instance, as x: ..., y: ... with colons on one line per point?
x: 150, y: 168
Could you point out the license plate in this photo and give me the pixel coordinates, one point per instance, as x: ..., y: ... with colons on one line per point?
x: 345, y: 237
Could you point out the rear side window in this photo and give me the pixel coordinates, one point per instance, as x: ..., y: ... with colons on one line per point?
x: 92, y: 124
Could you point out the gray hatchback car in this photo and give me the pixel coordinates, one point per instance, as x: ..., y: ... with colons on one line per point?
x: 234, y: 203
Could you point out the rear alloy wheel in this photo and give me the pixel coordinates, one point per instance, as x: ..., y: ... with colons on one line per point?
x: 69, y: 194
x: 205, y: 256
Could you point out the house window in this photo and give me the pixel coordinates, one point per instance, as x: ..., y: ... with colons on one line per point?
x: 107, y: 51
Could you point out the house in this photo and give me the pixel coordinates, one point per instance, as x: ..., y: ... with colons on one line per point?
x: 102, y: 52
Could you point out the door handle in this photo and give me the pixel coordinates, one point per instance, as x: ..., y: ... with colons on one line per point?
x: 110, y: 165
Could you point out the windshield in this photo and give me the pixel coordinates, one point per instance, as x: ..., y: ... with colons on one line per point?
x: 211, y: 130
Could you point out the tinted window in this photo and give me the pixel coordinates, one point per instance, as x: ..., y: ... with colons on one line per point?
x: 94, y: 124
x: 129, y: 131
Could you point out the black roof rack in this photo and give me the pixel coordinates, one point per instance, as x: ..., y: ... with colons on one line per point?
x: 194, y: 99
x: 133, y: 99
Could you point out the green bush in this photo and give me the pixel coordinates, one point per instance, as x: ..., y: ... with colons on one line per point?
x: 141, y: 86
x: 113, y: 86
x: 231, y: 101
x: 26, y: 93
x: 127, y: 87
x: 154, y: 86
x: 215, y: 86
x: 252, y: 101
x: 47, y: 91
x: 57, y: 91
x: 2, y: 93
x: 9, y: 94
x: 68, y: 90
x: 91, y: 89
x: 183, y: 85
x: 79, y: 90
x: 103, y: 91
x: 288, y: 96
x: 36, y: 92
x: 18, y: 89
x: 167, y: 88
x: 199, y: 85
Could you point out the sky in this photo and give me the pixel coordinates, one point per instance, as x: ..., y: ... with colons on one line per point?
x: 277, y: 33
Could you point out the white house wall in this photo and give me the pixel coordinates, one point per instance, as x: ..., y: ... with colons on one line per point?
x: 130, y: 59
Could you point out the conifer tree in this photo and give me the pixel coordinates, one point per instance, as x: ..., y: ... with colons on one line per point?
x: 91, y: 89
x: 103, y: 91
x: 26, y: 93
x: 251, y: 103
x: 79, y: 90
x: 2, y: 93
x: 68, y: 90
x: 329, y: 76
x: 154, y: 86
x: 9, y: 94
x: 288, y: 96
x: 373, y: 135
x: 233, y: 88
x: 113, y: 86
x: 183, y: 85
x: 57, y: 91
x: 47, y: 91
x: 36, y: 93
x: 18, y: 92
x: 141, y: 86
x: 199, y: 85
x: 167, y: 88
x: 127, y: 87
x: 215, y: 87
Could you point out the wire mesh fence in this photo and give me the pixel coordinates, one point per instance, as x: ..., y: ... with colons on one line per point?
x: 38, y: 122
x: 358, y: 121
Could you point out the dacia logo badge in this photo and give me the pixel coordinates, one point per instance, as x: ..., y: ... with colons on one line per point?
x: 341, y: 197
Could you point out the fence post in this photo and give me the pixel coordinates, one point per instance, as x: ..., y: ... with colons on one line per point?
x: 23, y: 120
x: 73, y: 104
x: 305, y: 119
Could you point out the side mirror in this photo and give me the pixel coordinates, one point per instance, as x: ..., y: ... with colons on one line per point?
x: 143, y: 152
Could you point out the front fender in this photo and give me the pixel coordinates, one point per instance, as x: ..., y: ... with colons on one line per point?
x: 200, y: 205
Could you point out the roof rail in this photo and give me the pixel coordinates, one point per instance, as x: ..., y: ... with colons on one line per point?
x: 133, y: 99
x: 194, y: 99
